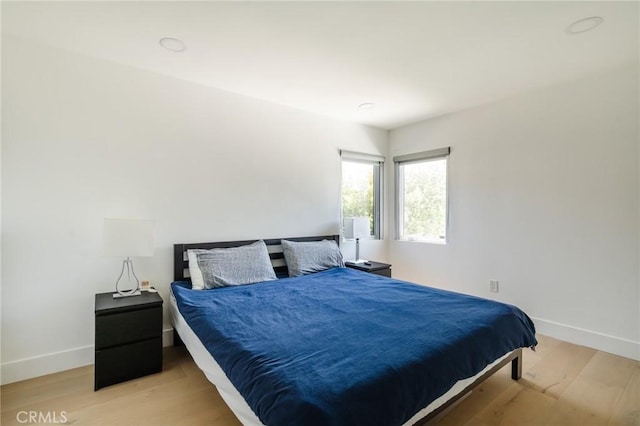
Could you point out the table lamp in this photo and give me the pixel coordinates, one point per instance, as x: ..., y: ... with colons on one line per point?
x: 128, y: 238
x: 357, y: 227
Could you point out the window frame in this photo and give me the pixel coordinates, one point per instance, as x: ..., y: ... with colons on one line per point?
x: 377, y: 162
x: 420, y: 157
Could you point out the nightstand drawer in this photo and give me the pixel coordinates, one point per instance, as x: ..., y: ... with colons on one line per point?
x: 126, y: 327
x: 120, y: 363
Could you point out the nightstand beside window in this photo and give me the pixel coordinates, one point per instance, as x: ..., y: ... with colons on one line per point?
x: 372, y: 267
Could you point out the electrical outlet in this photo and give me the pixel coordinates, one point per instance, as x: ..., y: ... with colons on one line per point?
x: 493, y: 286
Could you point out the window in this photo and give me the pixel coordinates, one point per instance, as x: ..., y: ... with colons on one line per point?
x: 421, y: 196
x: 362, y: 189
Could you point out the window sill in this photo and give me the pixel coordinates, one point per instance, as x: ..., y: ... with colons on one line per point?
x: 437, y: 242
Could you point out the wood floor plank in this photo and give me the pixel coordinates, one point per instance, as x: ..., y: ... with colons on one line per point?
x: 585, y: 402
x: 154, y: 409
x: 34, y: 395
x: 557, y: 369
x: 627, y: 410
x: 518, y: 404
x: 26, y: 385
x: 545, y: 345
x: 610, y: 369
x: 479, y: 398
x: 48, y: 398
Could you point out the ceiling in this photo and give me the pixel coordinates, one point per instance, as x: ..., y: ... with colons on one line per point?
x: 413, y: 60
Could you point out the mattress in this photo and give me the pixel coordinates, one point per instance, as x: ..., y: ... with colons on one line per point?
x: 232, y: 396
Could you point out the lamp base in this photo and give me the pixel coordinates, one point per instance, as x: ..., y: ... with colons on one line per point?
x: 119, y: 295
x: 127, y: 265
x: 357, y: 261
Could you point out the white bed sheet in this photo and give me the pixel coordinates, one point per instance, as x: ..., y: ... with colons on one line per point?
x: 207, y: 363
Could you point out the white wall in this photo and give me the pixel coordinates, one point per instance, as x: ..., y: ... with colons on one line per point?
x: 84, y: 139
x: 544, y: 194
x: 544, y: 198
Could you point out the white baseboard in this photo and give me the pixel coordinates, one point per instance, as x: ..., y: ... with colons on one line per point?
x: 167, y: 337
x: 580, y: 336
x: 29, y: 368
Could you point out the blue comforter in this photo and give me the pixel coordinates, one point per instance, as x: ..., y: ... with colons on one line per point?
x: 343, y: 347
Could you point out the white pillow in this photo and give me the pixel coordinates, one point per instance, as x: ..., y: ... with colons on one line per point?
x: 197, y: 281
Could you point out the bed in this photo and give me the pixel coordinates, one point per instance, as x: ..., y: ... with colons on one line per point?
x: 340, y: 346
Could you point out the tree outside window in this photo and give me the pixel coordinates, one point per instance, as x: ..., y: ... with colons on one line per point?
x: 421, y: 201
x: 362, y: 190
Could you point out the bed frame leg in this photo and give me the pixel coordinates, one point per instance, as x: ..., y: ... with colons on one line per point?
x: 177, y: 341
x: 516, y: 366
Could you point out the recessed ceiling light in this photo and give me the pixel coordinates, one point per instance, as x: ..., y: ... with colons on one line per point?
x: 584, y: 25
x: 173, y: 44
x: 366, y: 106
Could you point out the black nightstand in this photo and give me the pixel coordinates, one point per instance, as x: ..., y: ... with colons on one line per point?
x: 128, y: 337
x: 372, y: 267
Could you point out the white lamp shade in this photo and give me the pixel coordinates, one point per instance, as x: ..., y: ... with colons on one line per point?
x: 356, y: 227
x: 127, y: 237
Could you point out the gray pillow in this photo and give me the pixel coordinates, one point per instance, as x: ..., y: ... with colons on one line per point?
x: 224, y: 267
x: 309, y: 257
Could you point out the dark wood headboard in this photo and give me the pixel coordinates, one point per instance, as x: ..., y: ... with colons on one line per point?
x: 181, y: 264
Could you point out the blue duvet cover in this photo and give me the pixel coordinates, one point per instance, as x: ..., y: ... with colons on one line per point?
x: 343, y: 347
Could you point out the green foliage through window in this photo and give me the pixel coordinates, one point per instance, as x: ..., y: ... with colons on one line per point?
x: 358, y: 191
x: 423, y: 200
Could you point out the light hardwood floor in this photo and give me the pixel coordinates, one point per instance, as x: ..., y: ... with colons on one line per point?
x: 562, y: 384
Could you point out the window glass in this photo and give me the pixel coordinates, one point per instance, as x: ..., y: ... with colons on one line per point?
x: 361, y: 192
x: 422, y: 200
